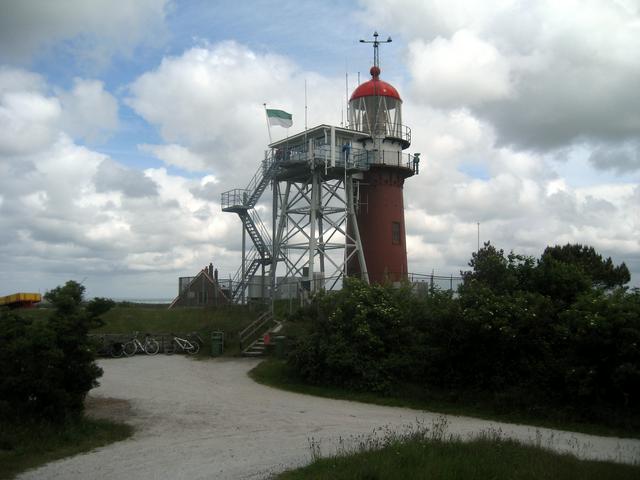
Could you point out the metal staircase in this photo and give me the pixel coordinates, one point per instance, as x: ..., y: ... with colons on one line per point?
x: 257, y: 231
x: 242, y: 202
x: 239, y: 283
x: 252, y: 337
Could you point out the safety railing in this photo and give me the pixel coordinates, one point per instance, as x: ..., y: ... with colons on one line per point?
x: 262, y: 231
x: 354, y: 158
x: 384, y: 129
x: 252, y: 255
x: 395, y: 130
x: 255, y: 329
x: 393, y: 158
x: 234, y: 198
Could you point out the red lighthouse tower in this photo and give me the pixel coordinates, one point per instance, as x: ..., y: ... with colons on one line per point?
x: 375, y: 108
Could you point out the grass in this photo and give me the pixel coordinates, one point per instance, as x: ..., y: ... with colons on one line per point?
x: 161, y: 319
x: 440, y: 459
x: 276, y: 373
x: 231, y: 320
x: 28, y: 445
x: 127, y: 318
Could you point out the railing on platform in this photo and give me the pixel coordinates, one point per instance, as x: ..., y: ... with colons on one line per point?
x: 385, y: 129
x: 354, y: 158
x: 234, y: 198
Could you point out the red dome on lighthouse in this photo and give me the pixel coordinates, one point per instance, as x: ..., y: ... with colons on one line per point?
x: 375, y: 87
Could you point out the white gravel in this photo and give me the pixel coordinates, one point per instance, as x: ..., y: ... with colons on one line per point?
x: 209, y: 420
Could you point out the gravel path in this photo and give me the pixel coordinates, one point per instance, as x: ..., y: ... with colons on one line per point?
x: 209, y: 420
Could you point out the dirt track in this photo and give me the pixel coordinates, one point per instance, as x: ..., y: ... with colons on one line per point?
x: 209, y: 420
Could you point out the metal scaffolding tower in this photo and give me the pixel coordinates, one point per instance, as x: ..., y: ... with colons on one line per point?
x: 314, y: 179
x: 312, y: 240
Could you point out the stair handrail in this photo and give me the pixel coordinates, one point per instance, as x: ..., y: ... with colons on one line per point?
x: 260, y: 179
x: 243, y: 202
x: 249, y: 331
x: 264, y: 235
x: 250, y: 271
x: 251, y: 255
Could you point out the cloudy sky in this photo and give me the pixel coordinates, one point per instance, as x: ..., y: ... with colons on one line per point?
x: 119, y: 127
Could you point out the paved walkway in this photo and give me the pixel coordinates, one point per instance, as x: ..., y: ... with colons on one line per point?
x: 209, y: 420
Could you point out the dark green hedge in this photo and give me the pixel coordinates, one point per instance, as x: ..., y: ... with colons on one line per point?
x: 559, y: 330
x: 47, y: 366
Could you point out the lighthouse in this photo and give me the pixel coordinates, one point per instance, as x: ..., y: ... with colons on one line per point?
x: 375, y: 108
x: 337, y: 204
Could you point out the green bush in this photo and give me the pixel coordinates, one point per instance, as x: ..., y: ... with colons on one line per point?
x: 498, y: 341
x: 602, y: 349
x: 559, y: 331
x: 47, y: 365
x: 362, y: 337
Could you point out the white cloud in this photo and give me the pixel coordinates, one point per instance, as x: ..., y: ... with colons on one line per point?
x: 89, y: 111
x: 94, y: 30
x: 137, y: 230
x: 463, y: 71
x: 209, y: 100
x: 14, y: 79
x: 518, y: 109
x: 32, y: 119
x: 545, y: 74
x: 28, y: 122
x: 110, y: 177
x: 214, y: 93
x: 28, y: 117
x: 431, y: 19
x: 177, y: 156
x: 67, y: 211
x: 81, y: 214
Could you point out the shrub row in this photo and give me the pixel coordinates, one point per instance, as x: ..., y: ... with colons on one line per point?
x: 560, y: 330
x: 47, y: 365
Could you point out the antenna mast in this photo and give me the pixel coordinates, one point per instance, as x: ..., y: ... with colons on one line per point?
x: 376, y: 44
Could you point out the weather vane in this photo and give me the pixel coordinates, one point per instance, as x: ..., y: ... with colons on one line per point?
x: 376, y: 43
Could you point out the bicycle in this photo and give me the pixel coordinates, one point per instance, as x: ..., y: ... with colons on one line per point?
x: 107, y: 348
x: 189, y: 346
x: 133, y: 346
x: 116, y: 349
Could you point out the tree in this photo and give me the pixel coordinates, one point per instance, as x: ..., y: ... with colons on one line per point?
x: 501, y: 274
x: 72, y: 323
x: 47, y: 366
x: 97, y: 307
x: 600, y: 273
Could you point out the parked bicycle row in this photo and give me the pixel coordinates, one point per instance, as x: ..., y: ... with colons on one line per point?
x: 115, y: 345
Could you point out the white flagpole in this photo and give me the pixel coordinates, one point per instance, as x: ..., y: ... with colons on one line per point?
x: 305, y: 104
x: 268, y: 123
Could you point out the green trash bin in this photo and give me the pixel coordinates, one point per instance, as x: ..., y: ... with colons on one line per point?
x: 217, y: 344
x: 280, y: 346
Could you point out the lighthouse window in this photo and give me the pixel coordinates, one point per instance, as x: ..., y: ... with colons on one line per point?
x: 395, y: 233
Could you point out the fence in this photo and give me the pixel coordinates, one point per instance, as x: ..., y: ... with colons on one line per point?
x: 292, y: 293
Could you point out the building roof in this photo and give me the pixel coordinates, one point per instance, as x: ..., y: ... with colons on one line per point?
x: 375, y: 87
x: 208, y: 278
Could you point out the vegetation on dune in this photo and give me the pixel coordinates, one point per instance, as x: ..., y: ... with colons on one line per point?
x: 429, y: 453
x: 29, y: 444
x: 47, y: 367
x: 558, y: 336
x: 126, y: 318
x: 154, y: 319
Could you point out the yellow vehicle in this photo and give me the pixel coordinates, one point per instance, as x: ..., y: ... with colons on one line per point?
x: 20, y: 300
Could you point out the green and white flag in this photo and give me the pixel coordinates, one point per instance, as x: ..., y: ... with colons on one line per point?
x: 279, y: 117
